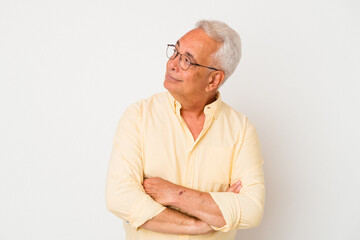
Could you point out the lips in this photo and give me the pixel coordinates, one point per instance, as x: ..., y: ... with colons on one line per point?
x: 169, y: 77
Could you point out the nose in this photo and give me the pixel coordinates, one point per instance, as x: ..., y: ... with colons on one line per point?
x: 173, y: 64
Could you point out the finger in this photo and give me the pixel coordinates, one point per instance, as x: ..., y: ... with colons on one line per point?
x: 237, y: 184
x: 233, y: 186
x: 238, y: 188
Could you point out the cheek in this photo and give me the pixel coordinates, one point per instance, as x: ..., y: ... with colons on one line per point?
x: 168, y: 65
x: 198, y: 81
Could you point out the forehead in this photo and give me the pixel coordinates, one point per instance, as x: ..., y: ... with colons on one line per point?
x: 198, y: 44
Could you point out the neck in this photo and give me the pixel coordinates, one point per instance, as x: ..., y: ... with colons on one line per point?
x: 194, y: 107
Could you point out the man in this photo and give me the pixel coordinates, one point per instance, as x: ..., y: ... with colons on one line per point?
x: 184, y: 164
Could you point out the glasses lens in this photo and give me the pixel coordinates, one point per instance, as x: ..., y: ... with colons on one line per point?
x: 184, y: 62
x: 171, y: 52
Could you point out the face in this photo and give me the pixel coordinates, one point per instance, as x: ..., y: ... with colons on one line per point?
x: 193, y: 82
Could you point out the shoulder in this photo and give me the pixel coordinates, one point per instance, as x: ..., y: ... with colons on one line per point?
x: 233, y: 115
x: 153, y: 104
x: 239, y: 123
x: 238, y: 120
x: 154, y: 100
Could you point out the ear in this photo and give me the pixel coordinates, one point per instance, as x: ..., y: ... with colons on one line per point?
x: 215, y: 80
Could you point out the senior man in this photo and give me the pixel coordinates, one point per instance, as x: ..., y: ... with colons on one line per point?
x: 184, y: 164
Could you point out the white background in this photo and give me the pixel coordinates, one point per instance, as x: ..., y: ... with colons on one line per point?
x: 68, y: 70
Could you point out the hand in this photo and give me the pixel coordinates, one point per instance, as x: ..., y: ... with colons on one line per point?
x: 235, y: 188
x: 160, y: 190
x: 202, y: 227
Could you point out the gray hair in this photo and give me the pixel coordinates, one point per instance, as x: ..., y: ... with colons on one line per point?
x: 229, y: 54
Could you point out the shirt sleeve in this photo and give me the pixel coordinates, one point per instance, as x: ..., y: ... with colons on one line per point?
x: 245, y: 209
x: 125, y: 195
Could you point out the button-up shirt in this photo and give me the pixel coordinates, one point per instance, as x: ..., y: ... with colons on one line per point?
x: 153, y: 140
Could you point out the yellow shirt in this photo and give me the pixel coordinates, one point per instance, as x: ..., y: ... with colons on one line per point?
x: 152, y: 140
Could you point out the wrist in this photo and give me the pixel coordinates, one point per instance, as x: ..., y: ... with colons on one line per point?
x: 174, y: 199
x: 202, y: 227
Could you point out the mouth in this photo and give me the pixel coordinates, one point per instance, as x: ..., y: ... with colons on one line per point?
x: 170, y: 78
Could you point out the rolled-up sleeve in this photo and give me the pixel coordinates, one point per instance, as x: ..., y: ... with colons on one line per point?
x: 125, y: 195
x: 244, y: 209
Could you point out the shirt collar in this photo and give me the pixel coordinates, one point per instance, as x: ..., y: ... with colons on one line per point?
x: 210, y: 109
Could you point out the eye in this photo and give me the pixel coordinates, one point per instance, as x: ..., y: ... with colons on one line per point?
x: 187, y: 60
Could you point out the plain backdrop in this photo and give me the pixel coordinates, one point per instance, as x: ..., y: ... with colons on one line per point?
x: 69, y: 69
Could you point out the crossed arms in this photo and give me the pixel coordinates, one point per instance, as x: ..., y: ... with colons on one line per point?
x: 197, y: 203
x: 142, y: 202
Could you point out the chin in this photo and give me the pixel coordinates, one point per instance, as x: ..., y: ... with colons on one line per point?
x: 170, y: 87
x: 165, y: 85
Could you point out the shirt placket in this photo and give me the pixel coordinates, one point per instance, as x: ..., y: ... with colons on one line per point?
x: 191, y: 157
x: 189, y: 175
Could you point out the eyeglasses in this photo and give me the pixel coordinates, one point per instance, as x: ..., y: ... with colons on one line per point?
x: 184, y: 61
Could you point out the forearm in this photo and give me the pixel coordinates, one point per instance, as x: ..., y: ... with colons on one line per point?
x: 199, y: 204
x: 196, y: 203
x: 175, y: 222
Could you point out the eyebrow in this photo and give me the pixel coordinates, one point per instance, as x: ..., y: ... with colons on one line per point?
x: 186, y: 53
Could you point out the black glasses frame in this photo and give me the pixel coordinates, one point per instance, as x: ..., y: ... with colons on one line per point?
x: 190, y: 63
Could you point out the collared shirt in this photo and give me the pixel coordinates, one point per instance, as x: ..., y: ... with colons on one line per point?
x: 153, y: 140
